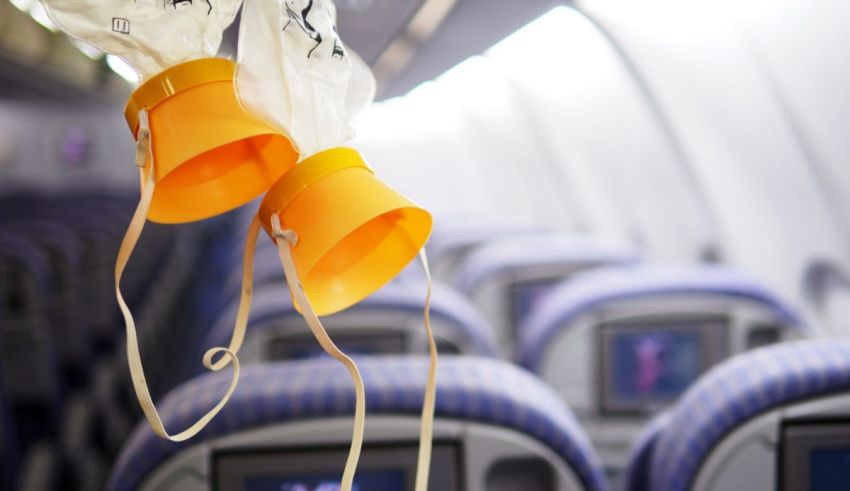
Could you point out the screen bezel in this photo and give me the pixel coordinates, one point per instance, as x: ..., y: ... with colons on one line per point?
x: 231, y: 467
x: 547, y: 282
x: 389, y: 342
x: 798, y: 440
x: 713, y: 334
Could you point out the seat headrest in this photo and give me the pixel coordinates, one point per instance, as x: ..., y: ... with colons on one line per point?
x: 507, y: 255
x: 738, y: 390
x: 594, y: 289
x: 469, y: 389
x: 406, y: 296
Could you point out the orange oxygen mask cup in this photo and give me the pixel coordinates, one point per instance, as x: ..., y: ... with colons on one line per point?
x: 355, y: 233
x: 211, y: 155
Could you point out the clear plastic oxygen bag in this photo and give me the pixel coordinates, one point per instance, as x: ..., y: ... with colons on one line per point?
x: 150, y: 35
x: 340, y: 231
x: 295, y: 72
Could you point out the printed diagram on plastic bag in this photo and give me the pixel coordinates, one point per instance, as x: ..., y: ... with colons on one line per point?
x: 297, y: 12
x: 180, y: 3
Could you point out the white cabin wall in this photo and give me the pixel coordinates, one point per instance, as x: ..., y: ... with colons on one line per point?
x: 773, y: 216
x: 610, y: 145
x: 803, y: 50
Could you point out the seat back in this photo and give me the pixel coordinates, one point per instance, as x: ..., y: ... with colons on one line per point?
x: 290, y: 422
x: 621, y: 344
x: 506, y: 278
x: 388, y: 322
x: 30, y: 368
x: 780, y: 404
x: 9, y: 457
x: 455, y: 236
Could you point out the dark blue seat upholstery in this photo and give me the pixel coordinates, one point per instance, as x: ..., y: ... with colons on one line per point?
x: 30, y: 368
x: 470, y: 389
x: 9, y: 458
x: 636, y: 477
x: 737, y: 391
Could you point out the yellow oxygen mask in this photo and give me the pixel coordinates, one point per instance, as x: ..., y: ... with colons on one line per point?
x: 199, y: 152
x: 341, y: 232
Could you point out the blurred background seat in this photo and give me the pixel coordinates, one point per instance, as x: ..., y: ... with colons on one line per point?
x: 621, y: 344
x: 389, y: 321
x: 775, y: 418
x: 506, y: 277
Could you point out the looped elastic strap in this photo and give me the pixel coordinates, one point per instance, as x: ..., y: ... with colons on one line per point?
x: 426, y: 428
x: 128, y: 244
x: 285, y: 240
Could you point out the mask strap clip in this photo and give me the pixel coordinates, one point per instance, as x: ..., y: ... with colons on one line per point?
x: 144, y: 154
x: 143, y: 139
x: 286, y: 240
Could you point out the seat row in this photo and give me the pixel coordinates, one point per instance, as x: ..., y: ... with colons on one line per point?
x: 498, y: 426
x: 617, y: 340
x: 65, y: 398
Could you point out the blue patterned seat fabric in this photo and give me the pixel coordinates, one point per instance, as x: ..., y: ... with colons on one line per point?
x: 406, y: 296
x: 737, y: 391
x: 470, y: 389
x: 636, y: 476
x: 26, y: 253
x: 513, y: 254
x: 590, y: 290
x: 8, y: 444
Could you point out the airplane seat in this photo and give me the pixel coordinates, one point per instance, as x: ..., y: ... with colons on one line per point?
x: 164, y: 305
x: 8, y: 442
x: 30, y: 366
x: 65, y: 309
x: 636, y: 475
x: 390, y: 321
x: 455, y: 236
x: 497, y: 427
x: 41, y: 468
x: 222, y: 241
x: 621, y: 344
x: 97, y: 226
x: 83, y: 461
x: 777, y: 418
x: 115, y: 407
x: 507, y: 277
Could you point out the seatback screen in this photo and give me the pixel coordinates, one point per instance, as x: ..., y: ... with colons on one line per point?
x: 365, y: 480
x: 526, y: 295
x: 381, y: 467
x: 352, y: 341
x: 647, y: 364
x: 815, y: 456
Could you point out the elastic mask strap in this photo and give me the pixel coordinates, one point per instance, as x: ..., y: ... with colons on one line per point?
x: 285, y: 240
x: 426, y: 428
x: 144, y: 155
